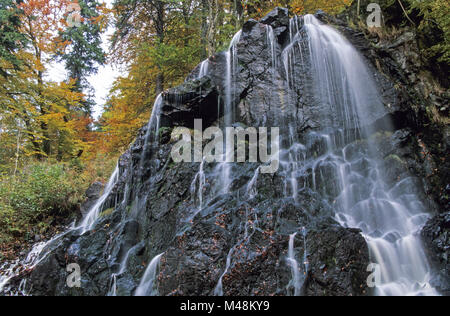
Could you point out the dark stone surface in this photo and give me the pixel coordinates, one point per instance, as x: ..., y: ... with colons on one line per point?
x: 279, y: 20
x: 93, y: 193
x: 436, y: 236
x: 193, y: 100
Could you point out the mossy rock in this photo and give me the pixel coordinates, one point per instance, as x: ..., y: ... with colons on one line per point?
x: 107, y: 212
x: 395, y: 158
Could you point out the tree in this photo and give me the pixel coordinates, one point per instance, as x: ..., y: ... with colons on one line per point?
x: 40, y: 23
x: 11, y: 39
x: 435, y: 21
x: 46, y: 115
x: 141, y: 21
x: 80, y: 47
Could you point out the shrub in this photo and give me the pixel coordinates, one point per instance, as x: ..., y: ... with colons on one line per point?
x: 36, y: 196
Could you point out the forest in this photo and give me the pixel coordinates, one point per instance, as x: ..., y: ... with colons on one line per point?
x: 53, y: 146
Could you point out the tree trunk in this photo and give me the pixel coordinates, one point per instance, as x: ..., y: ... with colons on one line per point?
x: 213, y: 17
x: 34, y: 142
x: 238, y: 11
x: 204, y: 29
x: 159, y: 19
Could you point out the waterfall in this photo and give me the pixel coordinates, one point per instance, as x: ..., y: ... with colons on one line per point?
x: 122, y: 269
x: 271, y: 41
x: 113, y: 291
x: 37, y: 254
x: 147, y: 285
x: 332, y: 165
x: 305, y: 253
x: 252, y: 189
x: 198, y: 185
x: 32, y: 259
x: 230, y: 79
x: 218, y: 291
x: 230, y: 104
x: 152, y: 134
x: 204, y: 69
x: 298, y: 272
x: 90, y: 219
x: 390, y: 217
x: 294, y: 266
x: 294, y: 27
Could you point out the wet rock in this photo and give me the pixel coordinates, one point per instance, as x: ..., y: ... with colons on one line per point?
x: 345, y: 255
x: 93, y: 194
x: 278, y: 19
x: 436, y: 236
x: 192, y: 100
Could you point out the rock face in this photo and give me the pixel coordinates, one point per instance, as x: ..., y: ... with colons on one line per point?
x: 241, y: 241
x: 436, y: 235
x: 93, y: 193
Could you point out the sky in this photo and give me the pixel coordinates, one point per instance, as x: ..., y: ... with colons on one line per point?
x: 101, y: 82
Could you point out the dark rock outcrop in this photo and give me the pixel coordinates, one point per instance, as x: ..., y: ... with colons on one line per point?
x: 436, y: 235
x: 93, y: 193
x: 192, y: 100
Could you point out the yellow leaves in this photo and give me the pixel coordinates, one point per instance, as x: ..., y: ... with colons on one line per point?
x: 311, y: 6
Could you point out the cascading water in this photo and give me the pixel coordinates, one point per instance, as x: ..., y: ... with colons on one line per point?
x: 298, y: 272
x: 204, y: 69
x: 271, y: 41
x: 230, y: 80
x: 294, y: 27
x: 229, y: 111
x: 389, y: 216
x: 293, y: 263
x: 153, y: 126
x: 39, y: 252
x: 33, y: 258
x: 252, y: 189
x: 147, y: 285
x: 151, y: 139
x: 91, y: 218
x: 122, y: 270
x: 198, y: 186
x: 218, y: 291
x: 249, y: 224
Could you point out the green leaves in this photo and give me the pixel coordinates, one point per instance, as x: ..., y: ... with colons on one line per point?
x: 435, y: 18
x: 83, y: 53
x: 11, y: 39
x: 39, y: 193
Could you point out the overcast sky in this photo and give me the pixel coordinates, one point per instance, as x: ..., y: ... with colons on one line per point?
x: 101, y: 82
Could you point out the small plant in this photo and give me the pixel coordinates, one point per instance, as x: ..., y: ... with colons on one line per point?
x: 36, y: 196
x: 107, y: 212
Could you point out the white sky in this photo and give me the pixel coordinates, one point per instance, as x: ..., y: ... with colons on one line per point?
x: 101, y: 82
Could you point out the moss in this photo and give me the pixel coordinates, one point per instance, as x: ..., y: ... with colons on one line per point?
x: 107, y: 212
x: 164, y: 130
x: 395, y: 158
x: 381, y: 135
